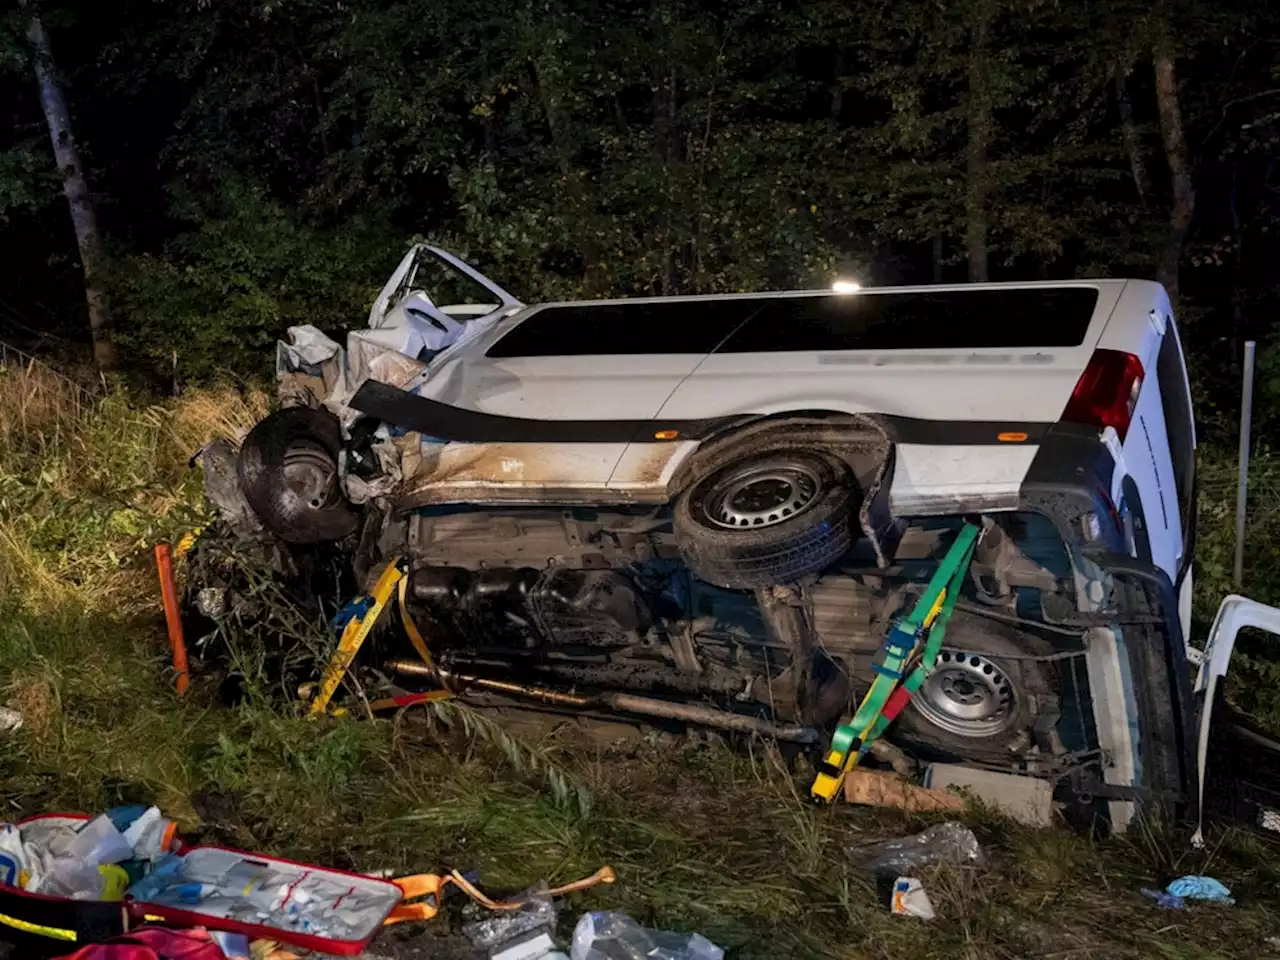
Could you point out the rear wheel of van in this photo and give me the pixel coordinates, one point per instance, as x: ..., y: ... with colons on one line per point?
x: 773, y: 517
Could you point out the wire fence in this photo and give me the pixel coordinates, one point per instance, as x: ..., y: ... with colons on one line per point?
x: 39, y: 403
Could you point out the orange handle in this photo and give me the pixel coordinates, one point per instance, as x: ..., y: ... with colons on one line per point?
x: 169, y: 595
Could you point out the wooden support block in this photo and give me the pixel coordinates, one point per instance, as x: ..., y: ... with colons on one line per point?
x: 877, y: 788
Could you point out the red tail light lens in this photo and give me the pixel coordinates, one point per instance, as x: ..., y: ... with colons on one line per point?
x: 1106, y: 392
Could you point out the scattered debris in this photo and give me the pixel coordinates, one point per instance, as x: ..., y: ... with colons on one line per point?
x: 948, y: 842
x: 1026, y: 799
x: 910, y: 900
x: 10, y: 720
x: 538, y: 945
x: 1200, y: 888
x: 615, y: 936
x: 1164, y: 899
x: 1176, y: 895
x: 536, y: 914
x: 876, y: 788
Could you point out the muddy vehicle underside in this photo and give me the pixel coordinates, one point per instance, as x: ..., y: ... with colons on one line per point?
x: 595, y: 610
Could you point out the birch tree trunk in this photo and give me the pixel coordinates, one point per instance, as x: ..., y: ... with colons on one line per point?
x: 75, y: 187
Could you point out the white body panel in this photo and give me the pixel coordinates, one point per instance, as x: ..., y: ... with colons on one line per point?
x: 933, y: 479
x: 923, y: 384
x: 931, y: 385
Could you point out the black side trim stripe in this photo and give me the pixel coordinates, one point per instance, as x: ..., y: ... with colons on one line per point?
x: 966, y: 433
x: 435, y: 419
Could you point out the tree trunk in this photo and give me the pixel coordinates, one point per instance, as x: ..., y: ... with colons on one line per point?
x: 1132, y: 143
x: 979, y: 118
x: 76, y: 188
x: 837, y: 88
x: 1175, y: 151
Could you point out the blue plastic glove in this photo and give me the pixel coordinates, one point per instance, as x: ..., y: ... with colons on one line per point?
x: 1200, y: 888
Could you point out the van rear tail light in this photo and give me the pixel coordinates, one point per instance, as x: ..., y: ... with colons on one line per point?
x: 1106, y: 392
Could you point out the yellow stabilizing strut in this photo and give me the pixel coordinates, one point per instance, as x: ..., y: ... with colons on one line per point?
x: 354, y: 635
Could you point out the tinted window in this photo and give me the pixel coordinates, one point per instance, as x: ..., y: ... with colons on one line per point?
x: 919, y: 320
x: 678, y: 326
x: 1178, y: 422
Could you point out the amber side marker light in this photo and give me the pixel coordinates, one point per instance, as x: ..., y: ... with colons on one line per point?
x: 1012, y: 436
x: 666, y: 434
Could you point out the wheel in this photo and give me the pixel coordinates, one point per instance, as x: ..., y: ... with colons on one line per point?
x: 979, y: 705
x: 288, y: 467
x: 772, y: 518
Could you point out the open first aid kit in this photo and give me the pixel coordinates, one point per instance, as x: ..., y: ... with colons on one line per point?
x: 67, y: 879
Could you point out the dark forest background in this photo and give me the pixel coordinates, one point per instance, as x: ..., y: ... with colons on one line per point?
x: 254, y: 164
x: 258, y: 163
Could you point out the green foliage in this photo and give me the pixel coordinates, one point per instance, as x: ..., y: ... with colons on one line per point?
x: 223, y: 291
x: 27, y: 180
x: 620, y: 148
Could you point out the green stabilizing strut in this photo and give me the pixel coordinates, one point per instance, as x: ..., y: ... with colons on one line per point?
x: 933, y: 643
x: 869, y: 720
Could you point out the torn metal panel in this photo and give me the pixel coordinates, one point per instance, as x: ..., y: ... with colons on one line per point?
x: 222, y: 487
x: 511, y: 473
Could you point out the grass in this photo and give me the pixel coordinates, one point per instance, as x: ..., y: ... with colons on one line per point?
x: 702, y: 837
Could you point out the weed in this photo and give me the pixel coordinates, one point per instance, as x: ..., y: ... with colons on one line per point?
x: 702, y: 837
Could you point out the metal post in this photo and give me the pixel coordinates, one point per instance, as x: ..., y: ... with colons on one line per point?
x: 1242, y: 484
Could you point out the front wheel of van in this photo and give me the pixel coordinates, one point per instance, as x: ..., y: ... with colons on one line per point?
x: 985, y: 696
x: 288, y: 468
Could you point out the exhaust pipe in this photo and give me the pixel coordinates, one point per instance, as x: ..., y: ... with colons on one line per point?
x: 621, y: 702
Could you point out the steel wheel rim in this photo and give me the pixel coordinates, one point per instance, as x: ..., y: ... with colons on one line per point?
x: 762, y: 495
x: 967, y: 695
x: 309, y: 472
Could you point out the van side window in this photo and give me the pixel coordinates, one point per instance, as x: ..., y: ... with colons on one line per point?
x: 1176, y: 400
x: 1027, y: 318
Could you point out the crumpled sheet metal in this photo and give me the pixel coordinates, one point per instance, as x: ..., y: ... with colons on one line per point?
x: 222, y: 487
x: 313, y: 370
x: 310, y: 368
x: 359, y: 490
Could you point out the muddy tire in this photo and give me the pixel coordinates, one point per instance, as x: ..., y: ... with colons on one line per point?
x: 288, y: 467
x: 774, y: 517
x: 977, y: 704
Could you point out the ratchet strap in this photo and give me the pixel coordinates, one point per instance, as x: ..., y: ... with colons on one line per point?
x: 920, y: 632
x: 411, y: 629
x: 427, y: 890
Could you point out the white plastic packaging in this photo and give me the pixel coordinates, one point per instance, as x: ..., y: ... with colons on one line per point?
x: 71, y: 864
x: 150, y: 835
x: 615, y: 936
x: 13, y: 858
x: 97, y: 843
x: 910, y: 900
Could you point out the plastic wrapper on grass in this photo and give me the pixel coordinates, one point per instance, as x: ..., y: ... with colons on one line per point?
x: 948, y: 842
x: 615, y: 936
x: 497, y: 929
